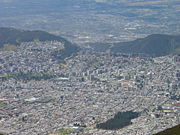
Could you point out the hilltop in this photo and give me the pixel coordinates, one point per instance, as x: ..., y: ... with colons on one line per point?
x: 15, y: 37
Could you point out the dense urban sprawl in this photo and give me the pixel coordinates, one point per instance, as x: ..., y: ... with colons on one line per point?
x: 86, y: 90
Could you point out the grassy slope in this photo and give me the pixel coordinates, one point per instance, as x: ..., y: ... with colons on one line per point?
x: 157, y: 45
x: 153, y: 45
x: 172, y: 131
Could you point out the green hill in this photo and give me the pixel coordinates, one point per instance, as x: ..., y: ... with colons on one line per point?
x: 13, y: 36
x: 154, y: 45
x: 172, y: 131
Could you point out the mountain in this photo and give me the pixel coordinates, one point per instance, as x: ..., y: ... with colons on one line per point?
x: 172, y: 131
x: 15, y: 37
x: 154, y: 45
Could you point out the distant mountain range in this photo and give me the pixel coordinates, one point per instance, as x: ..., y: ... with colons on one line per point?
x: 172, y: 131
x: 153, y: 45
x: 15, y: 37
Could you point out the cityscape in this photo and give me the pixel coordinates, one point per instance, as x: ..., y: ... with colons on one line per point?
x: 89, y: 67
x: 104, y: 85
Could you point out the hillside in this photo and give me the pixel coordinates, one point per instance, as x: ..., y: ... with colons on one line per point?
x: 172, y: 131
x: 154, y: 45
x: 16, y: 37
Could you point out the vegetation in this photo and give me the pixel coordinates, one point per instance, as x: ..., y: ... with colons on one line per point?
x: 66, y: 131
x: 14, y: 37
x: 66, y: 52
x: 28, y: 76
x: 8, y: 47
x: 2, y: 103
x: 172, y: 131
x: 120, y: 120
x: 153, y: 45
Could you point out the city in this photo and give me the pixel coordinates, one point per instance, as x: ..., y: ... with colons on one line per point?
x: 40, y: 95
